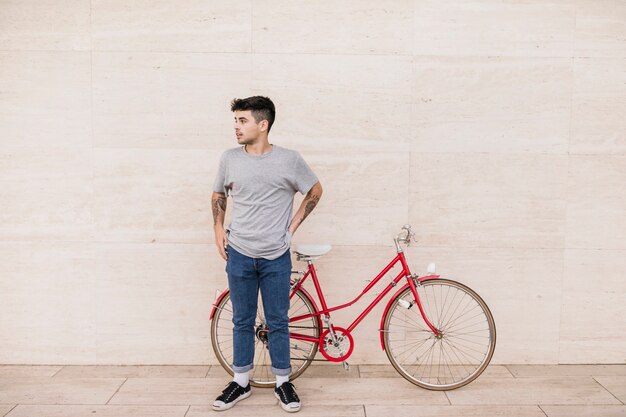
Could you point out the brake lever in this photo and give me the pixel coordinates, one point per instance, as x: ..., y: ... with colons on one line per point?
x: 410, y: 235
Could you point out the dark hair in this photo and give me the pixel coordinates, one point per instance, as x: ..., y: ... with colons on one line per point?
x: 262, y: 108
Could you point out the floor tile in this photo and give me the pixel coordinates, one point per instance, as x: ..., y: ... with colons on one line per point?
x: 307, y: 410
x: 16, y: 371
x: 180, y: 391
x: 616, y: 385
x: 38, y: 390
x: 336, y: 371
x: 99, y: 410
x: 133, y: 371
x: 454, y: 411
x: 584, y: 410
x: 5, y: 408
x: 388, y: 371
x: 322, y: 370
x: 217, y: 371
x: 522, y: 371
x: 378, y: 371
x: 379, y: 391
x: 325, y: 389
x: 521, y: 391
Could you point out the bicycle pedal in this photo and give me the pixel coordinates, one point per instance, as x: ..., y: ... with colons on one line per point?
x: 346, y: 366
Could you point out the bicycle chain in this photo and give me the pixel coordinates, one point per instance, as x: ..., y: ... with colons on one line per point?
x: 302, y: 327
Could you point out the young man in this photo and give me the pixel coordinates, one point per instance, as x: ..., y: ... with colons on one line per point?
x: 262, y: 180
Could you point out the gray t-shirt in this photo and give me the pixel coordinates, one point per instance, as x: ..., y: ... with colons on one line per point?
x: 262, y: 188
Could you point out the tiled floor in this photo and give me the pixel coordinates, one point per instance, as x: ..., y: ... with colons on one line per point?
x: 326, y: 390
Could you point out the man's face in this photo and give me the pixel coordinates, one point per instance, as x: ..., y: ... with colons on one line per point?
x: 247, y: 129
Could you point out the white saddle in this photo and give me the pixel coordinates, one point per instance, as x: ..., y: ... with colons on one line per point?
x: 312, y: 250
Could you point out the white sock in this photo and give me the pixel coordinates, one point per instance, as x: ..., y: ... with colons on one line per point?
x: 242, y: 378
x: 280, y: 379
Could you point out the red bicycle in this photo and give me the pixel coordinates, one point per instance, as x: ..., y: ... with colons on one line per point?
x: 437, y: 333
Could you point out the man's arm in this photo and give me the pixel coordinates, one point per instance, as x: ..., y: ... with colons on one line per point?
x: 218, y: 202
x: 308, y: 204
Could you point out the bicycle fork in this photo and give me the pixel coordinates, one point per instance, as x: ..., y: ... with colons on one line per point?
x: 413, y: 284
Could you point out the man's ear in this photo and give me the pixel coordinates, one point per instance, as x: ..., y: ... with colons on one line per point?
x: 263, y: 125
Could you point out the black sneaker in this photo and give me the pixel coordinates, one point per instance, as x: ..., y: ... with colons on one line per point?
x: 287, y: 397
x: 232, y: 394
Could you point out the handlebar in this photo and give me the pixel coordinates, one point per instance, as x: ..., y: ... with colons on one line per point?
x: 406, y: 235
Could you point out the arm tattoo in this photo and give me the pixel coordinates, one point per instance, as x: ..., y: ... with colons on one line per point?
x: 219, y: 208
x: 312, y: 201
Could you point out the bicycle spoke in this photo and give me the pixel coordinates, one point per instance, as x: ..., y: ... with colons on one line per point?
x: 415, y: 322
x: 455, y: 322
x: 454, y: 310
x: 460, y: 362
x: 428, y: 354
x: 451, y: 367
x: 293, y: 313
x: 467, y: 351
x: 456, y: 328
x: 414, y: 347
x: 453, y: 317
x: 446, y: 362
x: 443, y: 307
x: 421, y: 329
x: 413, y: 342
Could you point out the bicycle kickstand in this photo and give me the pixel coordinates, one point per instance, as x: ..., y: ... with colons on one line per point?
x: 346, y: 366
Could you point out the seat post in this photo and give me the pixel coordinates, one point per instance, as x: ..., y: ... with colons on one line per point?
x: 316, y: 284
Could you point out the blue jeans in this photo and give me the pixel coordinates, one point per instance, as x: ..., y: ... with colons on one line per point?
x: 245, y: 277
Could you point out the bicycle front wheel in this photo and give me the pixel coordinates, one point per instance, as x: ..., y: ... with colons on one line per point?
x: 447, y: 361
x: 301, y: 352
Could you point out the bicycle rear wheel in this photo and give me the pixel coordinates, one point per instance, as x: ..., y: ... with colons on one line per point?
x: 462, y: 351
x: 302, y: 352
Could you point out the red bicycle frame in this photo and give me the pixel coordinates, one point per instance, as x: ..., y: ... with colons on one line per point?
x: 405, y: 273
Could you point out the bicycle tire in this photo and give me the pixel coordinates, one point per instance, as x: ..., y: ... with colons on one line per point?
x: 465, y: 347
x: 301, y: 352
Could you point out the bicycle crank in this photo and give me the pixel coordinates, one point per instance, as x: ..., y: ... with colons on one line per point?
x: 261, y: 333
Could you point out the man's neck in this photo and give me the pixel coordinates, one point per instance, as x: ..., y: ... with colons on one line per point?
x: 258, y: 148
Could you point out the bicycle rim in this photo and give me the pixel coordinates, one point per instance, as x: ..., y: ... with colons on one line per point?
x: 301, y: 352
x: 466, y: 344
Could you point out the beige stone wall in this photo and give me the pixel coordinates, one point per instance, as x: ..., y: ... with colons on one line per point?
x: 496, y: 128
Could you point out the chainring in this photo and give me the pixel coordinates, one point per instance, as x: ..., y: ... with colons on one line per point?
x: 336, y: 351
